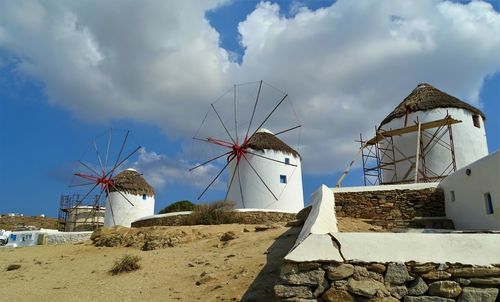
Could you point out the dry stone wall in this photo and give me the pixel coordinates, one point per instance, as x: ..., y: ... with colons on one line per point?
x: 395, y: 208
x: 250, y: 217
x: 387, y: 282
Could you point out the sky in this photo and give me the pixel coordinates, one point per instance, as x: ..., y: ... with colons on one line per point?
x: 71, y: 70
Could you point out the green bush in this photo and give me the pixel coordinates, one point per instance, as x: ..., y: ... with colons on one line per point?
x: 218, y: 212
x: 127, y: 263
x: 179, y: 206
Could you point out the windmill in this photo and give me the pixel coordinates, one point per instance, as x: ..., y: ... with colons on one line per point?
x: 263, y: 171
x: 100, y: 175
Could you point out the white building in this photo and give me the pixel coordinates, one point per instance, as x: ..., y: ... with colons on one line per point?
x: 280, y: 169
x: 130, y: 198
x: 426, y: 104
x: 472, y: 194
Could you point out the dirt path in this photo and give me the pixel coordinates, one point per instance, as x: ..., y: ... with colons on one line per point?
x: 242, y: 268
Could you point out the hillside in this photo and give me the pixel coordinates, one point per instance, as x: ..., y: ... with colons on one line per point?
x: 197, y: 266
x: 9, y: 223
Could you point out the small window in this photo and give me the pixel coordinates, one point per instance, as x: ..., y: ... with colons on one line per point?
x: 452, y: 195
x: 144, y: 196
x: 488, y: 203
x: 475, y: 121
x: 287, y: 161
x: 283, y: 179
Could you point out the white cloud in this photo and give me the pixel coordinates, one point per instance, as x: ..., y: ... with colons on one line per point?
x: 345, y: 67
x: 161, y: 171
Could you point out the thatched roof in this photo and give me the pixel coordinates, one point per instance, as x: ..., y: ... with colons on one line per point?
x: 130, y: 181
x: 265, y: 140
x: 427, y: 97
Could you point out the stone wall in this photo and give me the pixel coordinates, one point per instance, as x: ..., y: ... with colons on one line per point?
x: 249, y: 217
x: 387, y: 282
x: 395, y: 208
x: 69, y: 237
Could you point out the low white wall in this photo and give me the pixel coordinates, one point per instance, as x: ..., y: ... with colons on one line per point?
x: 68, y: 237
x: 417, y: 186
x: 320, y: 241
x: 468, y: 211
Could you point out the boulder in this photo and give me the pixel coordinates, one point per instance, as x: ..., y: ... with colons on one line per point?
x: 446, y: 289
x: 337, y: 295
x: 340, y: 272
x: 427, y: 299
x: 436, y: 275
x: 397, y: 274
x: 377, y: 268
x: 417, y: 287
x: 398, y: 291
x: 287, y: 291
x: 366, y: 288
x: 472, y: 294
x: 468, y: 272
x: 312, y: 278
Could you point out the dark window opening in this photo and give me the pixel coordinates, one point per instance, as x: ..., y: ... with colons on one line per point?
x: 283, y: 179
x: 144, y: 196
x: 452, y: 193
x: 488, y: 203
x: 287, y: 161
x: 475, y: 121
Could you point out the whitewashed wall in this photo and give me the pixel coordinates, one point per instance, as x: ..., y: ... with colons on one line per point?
x: 468, y: 211
x: 469, y: 141
x: 255, y: 195
x: 124, y: 212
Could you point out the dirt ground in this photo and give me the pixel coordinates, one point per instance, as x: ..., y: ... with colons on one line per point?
x: 205, y: 269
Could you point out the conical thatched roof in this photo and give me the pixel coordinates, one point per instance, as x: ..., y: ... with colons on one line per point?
x: 266, y: 140
x: 130, y: 181
x: 427, y: 97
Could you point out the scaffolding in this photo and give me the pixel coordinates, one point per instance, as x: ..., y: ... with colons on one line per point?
x: 381, y: 156
x: 75, y: 215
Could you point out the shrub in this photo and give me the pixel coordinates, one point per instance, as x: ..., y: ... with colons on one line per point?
x: 218, y: 212
x: 179, y: 206
x: 127, y: 263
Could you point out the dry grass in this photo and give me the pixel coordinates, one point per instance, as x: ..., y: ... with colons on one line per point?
x: 125, y: 264
x: 218, y: 212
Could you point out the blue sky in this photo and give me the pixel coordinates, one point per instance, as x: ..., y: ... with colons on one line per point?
x: 344, y: 66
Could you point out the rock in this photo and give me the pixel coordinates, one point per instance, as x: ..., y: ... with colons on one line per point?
x: 474, y: 271
x: 377, y: 267
x: 417, y: 287
x: 337, y: 295
x: 205, y: 279
x: 472, y: 294
x: 384, y: 299
x: 360, y: 273
x: 442, y: 267
x: 287, y: 291
x: 427, y: 299
x: 447, y: 289
x: 422, y: 269
x: 228, y: 236
x: 485, y: 281
x: 321, y: 288
x: 261, y: 228
x: 462, y: 281
x: 312, y: 278
x: 294, y: 299
x: 436, y: 275
x: 245, y: 230
x: 397, y: 274
x: 398, y: 291
x: 340, y: 272
x: 341, y: 284
x: 376, y: 276
x: 307, y: 266
x: 366, y: 288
